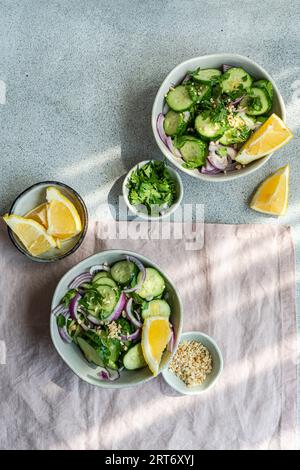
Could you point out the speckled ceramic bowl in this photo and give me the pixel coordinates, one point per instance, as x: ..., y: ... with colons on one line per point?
x: 213, y: 61
x: 71, y: 353
x: 36, y: 195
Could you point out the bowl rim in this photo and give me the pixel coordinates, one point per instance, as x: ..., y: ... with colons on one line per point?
x: 115, y: 385
x: 82, y: 235
x: 173, y: 208
x: 228, y: 177
x: 184, y: 390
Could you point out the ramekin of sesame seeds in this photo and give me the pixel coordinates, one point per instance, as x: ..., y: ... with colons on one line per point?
x: 196, y: 365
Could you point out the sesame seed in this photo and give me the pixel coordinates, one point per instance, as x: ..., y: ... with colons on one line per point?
x: 192, y: 363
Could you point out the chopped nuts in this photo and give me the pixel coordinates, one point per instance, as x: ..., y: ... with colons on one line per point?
x: 192, y: 363
x: 114, y: 330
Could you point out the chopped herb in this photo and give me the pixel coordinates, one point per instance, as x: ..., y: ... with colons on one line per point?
x: 152, y: 186
x: 61, y: 321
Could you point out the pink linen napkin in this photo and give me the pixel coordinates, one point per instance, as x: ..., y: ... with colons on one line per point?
x: 239, y: 287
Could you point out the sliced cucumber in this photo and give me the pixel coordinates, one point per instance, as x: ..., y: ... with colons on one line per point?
x: 266, y: 85
x: 234, y: 136
x: 89, y: 352
x: 156, y: 308
x: 153, y: 285
x: 105, y: 281
x: 179, y: 99
x: 134, y: 358
x: 261, y: 119
x: 258, y: 102
x: 199, y: 91
x: 101, y: 274
x: 108, y: 301
x: 235, y: 78
x: 193, y: 151
x: 207, y: 75
x: 208, y: 129
x: 174, y: 123
x: 123, y: 272
x: 248, y: 120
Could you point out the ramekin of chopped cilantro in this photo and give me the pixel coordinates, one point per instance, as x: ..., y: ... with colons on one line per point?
x: 152, y: 190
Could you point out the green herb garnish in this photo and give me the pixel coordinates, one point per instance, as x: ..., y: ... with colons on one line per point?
x: 152, y: 186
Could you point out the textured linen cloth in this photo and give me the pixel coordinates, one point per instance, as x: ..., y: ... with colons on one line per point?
x: 239, y: 288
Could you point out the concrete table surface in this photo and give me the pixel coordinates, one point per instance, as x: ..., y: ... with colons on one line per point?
x: 81, y: 77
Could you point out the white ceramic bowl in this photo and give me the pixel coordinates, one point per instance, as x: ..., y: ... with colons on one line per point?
x: 211, y: 379
x: 71, y: 353
x: 141, y: 211
x: 33, y: 197
x: 213, y: 61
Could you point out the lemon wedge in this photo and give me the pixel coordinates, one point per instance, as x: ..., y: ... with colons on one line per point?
x: 39, y: 214
x: 156, y: 334
x: 272, y: 195
x: 271, y: 135
x: 32, y: 234
x: 63, y: 219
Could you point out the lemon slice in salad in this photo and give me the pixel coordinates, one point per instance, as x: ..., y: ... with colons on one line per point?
x: 271, y: 135
x: 156, y: 334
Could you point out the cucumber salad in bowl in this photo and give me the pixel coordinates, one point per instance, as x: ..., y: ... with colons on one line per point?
x: 211, y: 114
x: 118, y: 316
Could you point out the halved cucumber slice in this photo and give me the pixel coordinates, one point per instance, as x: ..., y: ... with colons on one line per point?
x: 123, y: 272
x: 199, y: 91
x: 265, y: 84
x: 105, y: 281
x: 108, y: 301
x: 101, y: 274
x: 234, y: 136
x: 179, y: 99
x: 207, y: 75
x: 193, y: 151
x: 208, y: 129
x: 89, y: 352
x: 153, y: 285
x: 134, y: 358
x: 156, y: 308
x: 174, y: 123
x: 235, y: 78
x: 258, y: 102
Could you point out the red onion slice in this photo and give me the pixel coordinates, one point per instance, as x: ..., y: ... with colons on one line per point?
x: 133, y: 336
x: 226, y: 67
x: 171, y: 343
x: 73, y: 307
x: 232, y: 153
x: 117, y: 310
x: 130, y: 314
x: 108, y: 374
x: 160, y: 127
x: 209, y: 169
x: 237, y: 100
x: 97, y: 268
x: 172, y: 149
x: 186, y: 116
x: 81, y: 279
x: 186, y: 79
x: 94, y: 320
x: 142, y: 269
x: 220, y: 163
x: 60, y: 310
x: 63, y: 332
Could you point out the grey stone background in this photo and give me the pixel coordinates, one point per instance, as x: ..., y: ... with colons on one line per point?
x: 81, y: 77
